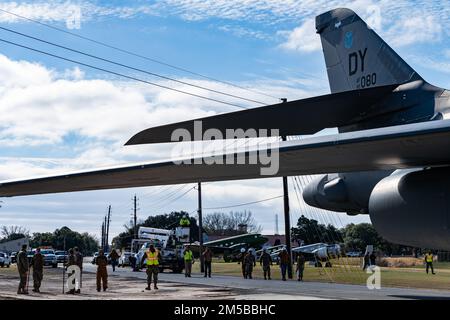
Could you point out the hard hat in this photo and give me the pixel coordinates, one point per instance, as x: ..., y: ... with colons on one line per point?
x: 242, y: 250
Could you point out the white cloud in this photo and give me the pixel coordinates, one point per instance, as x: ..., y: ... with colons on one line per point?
x: 410, y: 30
x: 302, y: 38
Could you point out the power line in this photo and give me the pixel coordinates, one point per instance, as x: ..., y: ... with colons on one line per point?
x: 130, y: 67
x: 120, y: 74
x: 138, y: 55
x: 243, y: 204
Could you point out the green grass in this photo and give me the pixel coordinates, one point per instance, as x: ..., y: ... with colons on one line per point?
x: 348, y: 271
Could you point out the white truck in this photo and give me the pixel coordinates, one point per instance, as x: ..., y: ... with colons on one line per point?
x: 168, y: 242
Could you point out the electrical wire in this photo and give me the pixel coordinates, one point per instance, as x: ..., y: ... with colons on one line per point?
x: 138, y: 55
x: 119, y: 74
x: 242, y: 204
x: 129, y: 67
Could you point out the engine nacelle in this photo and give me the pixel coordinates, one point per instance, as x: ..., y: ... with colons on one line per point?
x: 412, y: 207
x: 344, y: 192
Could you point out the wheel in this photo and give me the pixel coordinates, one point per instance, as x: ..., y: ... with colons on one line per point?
x: 2, y: 265
x: 8, y: 265
x: 55, y: 265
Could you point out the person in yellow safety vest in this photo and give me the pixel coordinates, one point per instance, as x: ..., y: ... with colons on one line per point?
x: 152, y: 257
x: 188, y: 261
x: 429, y: 261
x: 184, y: 222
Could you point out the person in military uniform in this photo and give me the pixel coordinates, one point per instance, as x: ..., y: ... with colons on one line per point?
x: 23, y: 268
x: 266, y: 261
x: 102, y: 272
x: 188, y: 257
x: 114, y: 259
x: 37, y: 263
x: 152, y: 257
x: 300, y: 266
x: 242, y: 262
x: 185, y: 222
x: 79, y: 263
x: 249, y: 262
x: 71, y: 261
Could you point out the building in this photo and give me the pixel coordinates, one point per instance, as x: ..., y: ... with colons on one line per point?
x: 14, y: 245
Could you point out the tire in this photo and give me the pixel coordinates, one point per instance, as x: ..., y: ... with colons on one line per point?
x: 2, y: 265
x: 8, y: 265
x: 55, y: 265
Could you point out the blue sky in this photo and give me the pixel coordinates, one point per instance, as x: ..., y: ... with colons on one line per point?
x: 59, y: 117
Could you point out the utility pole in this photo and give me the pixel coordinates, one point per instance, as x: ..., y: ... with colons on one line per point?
x: 103, y: 236
x: 200, y: 227
x: 135, y: 217
x: 287, y: 221
x: 105, y: 242
x: 107, y: 228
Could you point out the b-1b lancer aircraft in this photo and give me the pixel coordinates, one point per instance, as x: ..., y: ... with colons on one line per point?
x: 390, y: 159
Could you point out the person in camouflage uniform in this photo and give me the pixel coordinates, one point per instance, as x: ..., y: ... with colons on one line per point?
x: 102, y: 272
x: 71, y: 261
x: 23, y: 268
x: 37, y: 263
x: 79, y: 263
x: 249, y: 262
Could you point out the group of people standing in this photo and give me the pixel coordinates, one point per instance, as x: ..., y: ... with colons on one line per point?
x: 37, y: 262
x: 248, y: 262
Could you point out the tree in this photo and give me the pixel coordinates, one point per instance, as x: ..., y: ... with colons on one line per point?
x: 310, y: 231
x: 234, y: 223
x: 85, y: 242
x: 13, y: 233
x: 358, y: 236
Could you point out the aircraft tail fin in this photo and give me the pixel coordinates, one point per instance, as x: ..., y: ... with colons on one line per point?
x: 355, y: 56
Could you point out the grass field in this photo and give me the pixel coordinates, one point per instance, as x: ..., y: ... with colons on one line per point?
x: 348, y: 271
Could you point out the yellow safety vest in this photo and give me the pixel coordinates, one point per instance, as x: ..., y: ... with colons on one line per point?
x: 429, y: 258
x: 152, y: 258
x: 188, y: 255
x: 184, y: 222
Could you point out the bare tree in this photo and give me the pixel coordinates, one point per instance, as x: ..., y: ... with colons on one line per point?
x: 233, y: 223
x: 10, y: 232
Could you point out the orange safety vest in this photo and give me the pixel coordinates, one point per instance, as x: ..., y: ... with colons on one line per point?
x: 152, y: 258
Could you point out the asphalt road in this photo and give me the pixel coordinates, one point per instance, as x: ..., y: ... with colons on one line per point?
x: 277, y: 289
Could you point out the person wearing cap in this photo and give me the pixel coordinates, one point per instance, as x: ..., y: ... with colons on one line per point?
x: 102, y: 272
x: 37, y: 262
x: 241, y: 261
x: 79, y: 262
x: 266, y: 261
x: 188, y: 261
x: 250, y: 262
x: 152, y: 258
x: 284, y: 262
x: 23, y: 268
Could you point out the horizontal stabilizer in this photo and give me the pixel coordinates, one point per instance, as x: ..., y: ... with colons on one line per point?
x: 300, y: 117
x: 424, y: 144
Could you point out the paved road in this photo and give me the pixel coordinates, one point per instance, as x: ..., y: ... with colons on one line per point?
x: 276, y: 289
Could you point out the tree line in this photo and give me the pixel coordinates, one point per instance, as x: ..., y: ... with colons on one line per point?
x: 58, y: 239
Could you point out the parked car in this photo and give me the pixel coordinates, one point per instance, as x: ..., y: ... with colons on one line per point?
x: 5, y: 261
x: 49, y: 257
x: 124, y: 259
x: 354, y: 254
x: 96, y: 255
x: 13, y: 257
x: 61, y: 256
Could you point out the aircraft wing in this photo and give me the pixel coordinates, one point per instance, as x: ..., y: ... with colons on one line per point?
x: 300, y: 117
x: 414, y: 145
